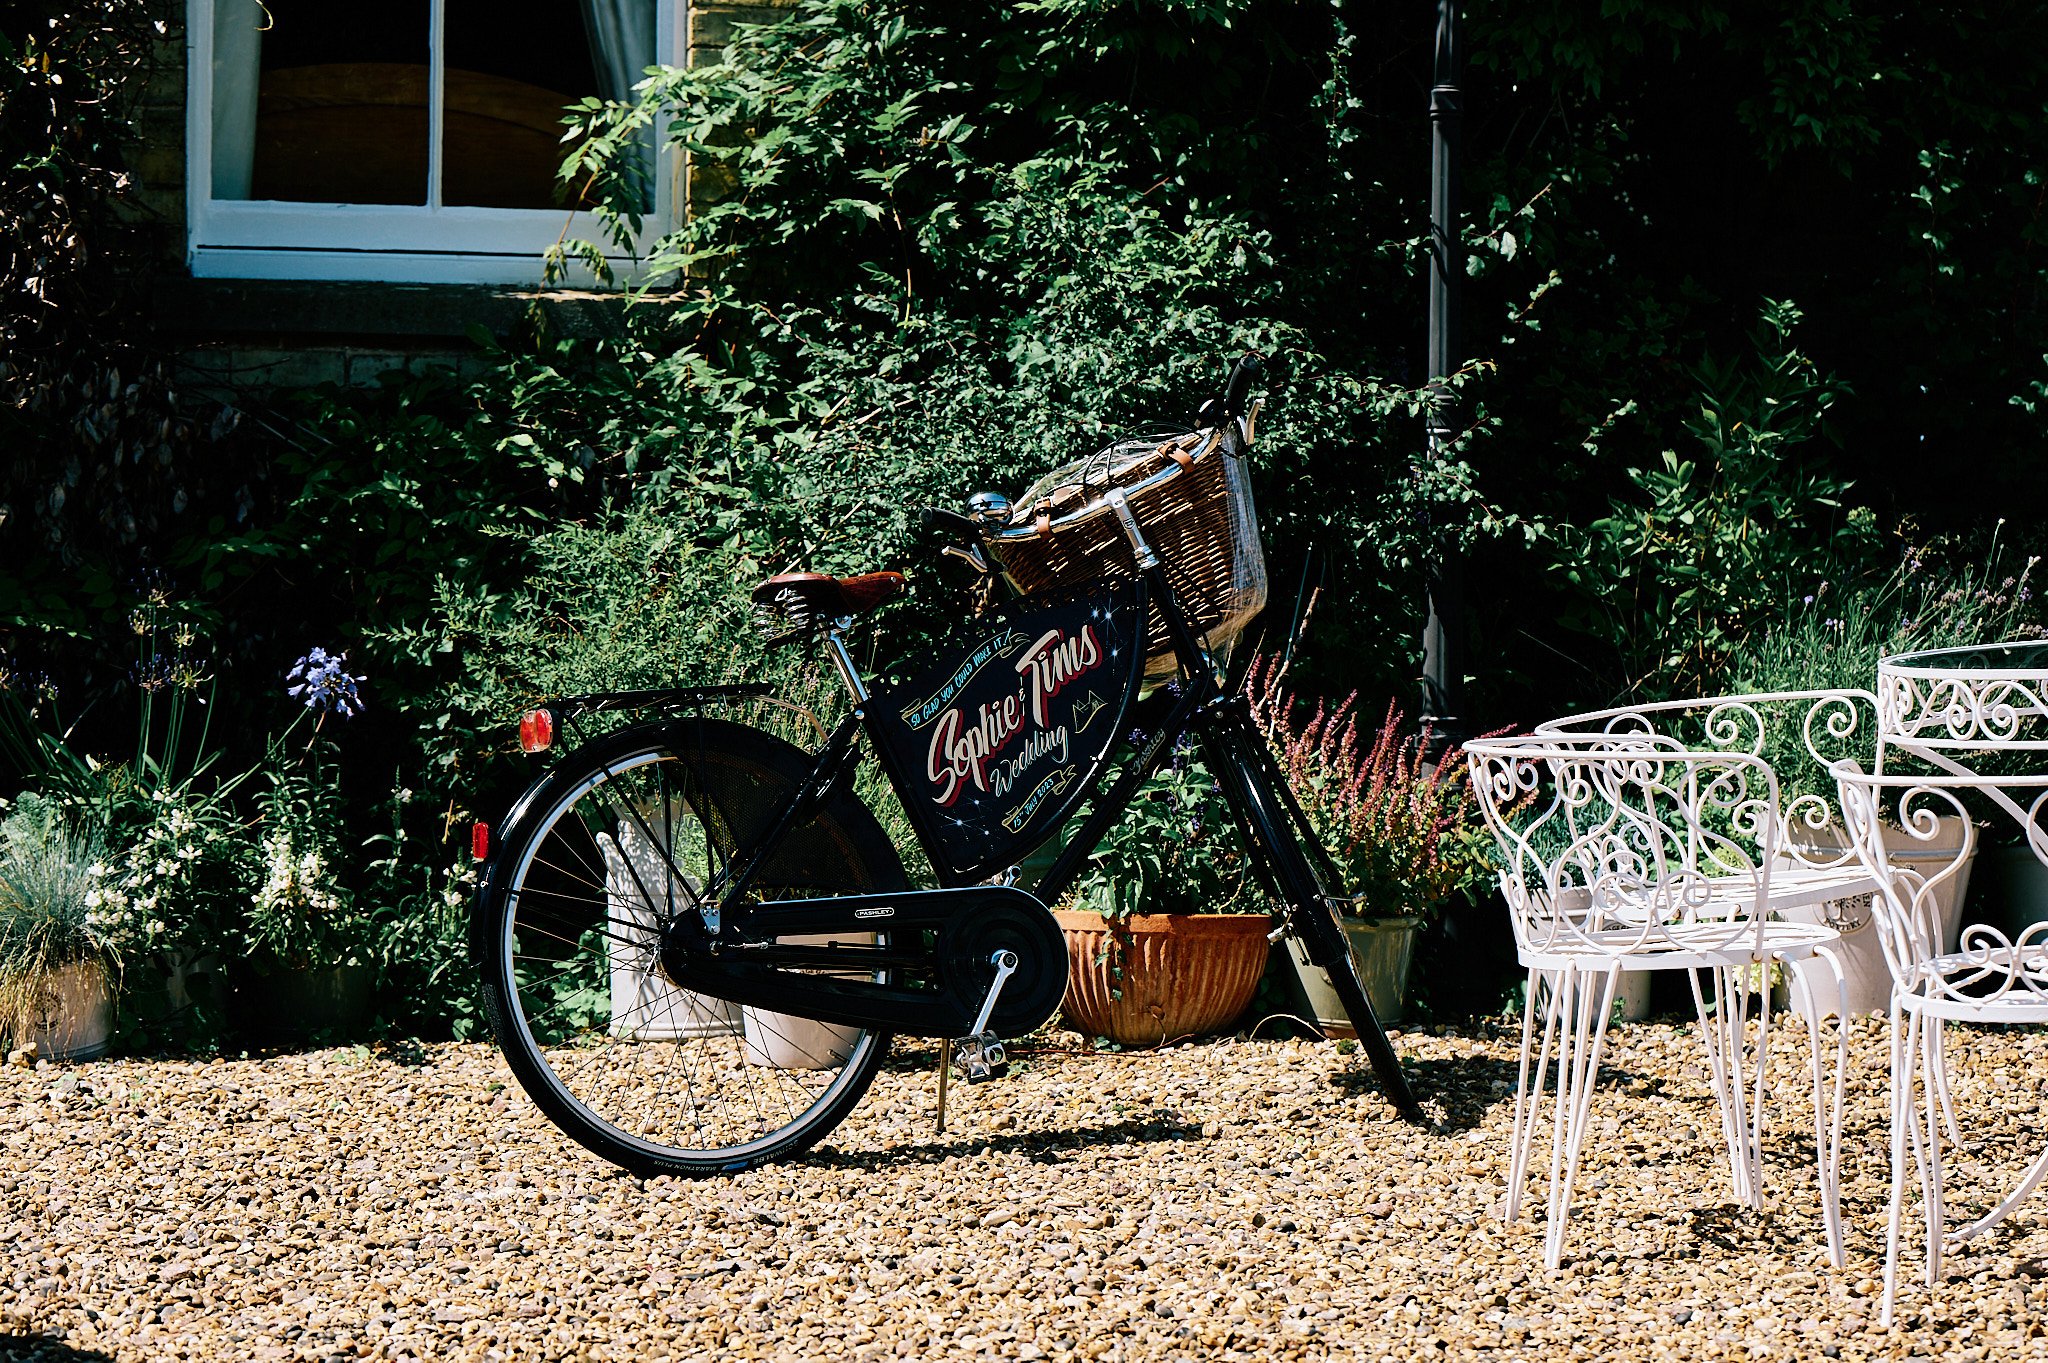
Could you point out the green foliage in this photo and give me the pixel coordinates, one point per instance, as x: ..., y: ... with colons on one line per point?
x: 577, y: 991
x: 46, y: 885
x: 1177, y: 850
x: 300, y: 916
x: 173, y: 876
x: 1704, y: 552
x: 421, y: 896
x: 629, y: 600
x: 937, y: 259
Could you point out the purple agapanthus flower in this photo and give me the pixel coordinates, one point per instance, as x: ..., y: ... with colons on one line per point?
x: 325, y: 683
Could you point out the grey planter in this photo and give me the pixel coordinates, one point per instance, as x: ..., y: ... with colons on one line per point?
x: 1384, y: 948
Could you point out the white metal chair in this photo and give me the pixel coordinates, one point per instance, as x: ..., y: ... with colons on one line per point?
x: 1627, y: 849
x: 1989, y: 980
x: 1800, y: 734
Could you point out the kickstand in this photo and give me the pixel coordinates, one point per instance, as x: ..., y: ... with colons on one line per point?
x: 945, y: 1074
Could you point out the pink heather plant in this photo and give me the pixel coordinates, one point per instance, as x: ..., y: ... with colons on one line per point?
x: 1400, y: 828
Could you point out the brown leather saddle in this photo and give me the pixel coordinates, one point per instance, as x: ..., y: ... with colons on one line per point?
x: 794, y: 603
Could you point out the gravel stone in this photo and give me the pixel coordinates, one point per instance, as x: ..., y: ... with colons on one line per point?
x: 1236, y: 1200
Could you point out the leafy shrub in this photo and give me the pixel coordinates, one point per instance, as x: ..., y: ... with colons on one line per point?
x: 1704, y: 553
x: 1176, y: 850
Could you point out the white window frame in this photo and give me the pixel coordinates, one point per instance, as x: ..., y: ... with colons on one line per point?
x: 395, y: 243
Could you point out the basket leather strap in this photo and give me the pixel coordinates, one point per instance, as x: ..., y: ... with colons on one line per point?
x: 1177, y: 452
x: 1043, y: 525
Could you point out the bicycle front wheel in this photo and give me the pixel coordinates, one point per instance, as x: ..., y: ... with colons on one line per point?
x: 622, y: 836
x: 1305, y: 878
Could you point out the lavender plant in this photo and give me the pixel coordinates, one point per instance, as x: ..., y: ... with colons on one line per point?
x: 1941, y: 595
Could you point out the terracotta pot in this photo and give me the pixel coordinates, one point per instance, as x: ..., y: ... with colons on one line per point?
x: 1178, y: 974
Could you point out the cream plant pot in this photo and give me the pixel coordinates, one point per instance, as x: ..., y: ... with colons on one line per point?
x: 1867, y: 979
x: 644, y: 1005
x: 1384, y: 949
x: 74, y: 1015
x: 785, y: 1041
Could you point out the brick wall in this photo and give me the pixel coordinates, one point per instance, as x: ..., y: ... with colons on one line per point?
x: 158, y: 163
x: 711, y: 29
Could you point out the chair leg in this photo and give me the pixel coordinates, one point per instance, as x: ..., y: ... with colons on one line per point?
x: 1827, y: 1107
x: 1930, y: 1058
x: 1723, y: 1034
x: 1902, y: 1106
x: 1587, y: 997
x: 1528, y: 1087
x: 1758, y: 1081
x: 1940, y: 1075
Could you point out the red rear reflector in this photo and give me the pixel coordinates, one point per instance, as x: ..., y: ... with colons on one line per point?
x: 480, y: 841
x: 536, y: 730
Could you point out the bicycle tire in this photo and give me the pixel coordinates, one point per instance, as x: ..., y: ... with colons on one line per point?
x: 612, y: 837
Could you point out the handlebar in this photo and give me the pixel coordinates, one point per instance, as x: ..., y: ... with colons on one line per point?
x: 937, y: 518
x: 1243, y: 375
x: 1236, y: 389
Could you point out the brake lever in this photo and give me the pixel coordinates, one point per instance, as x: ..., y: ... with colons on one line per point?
x: 971, y: 557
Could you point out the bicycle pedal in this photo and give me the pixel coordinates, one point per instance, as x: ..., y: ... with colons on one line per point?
x: 981, y: 1058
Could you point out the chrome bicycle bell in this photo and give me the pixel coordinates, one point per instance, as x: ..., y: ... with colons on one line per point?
x: 990, y: 511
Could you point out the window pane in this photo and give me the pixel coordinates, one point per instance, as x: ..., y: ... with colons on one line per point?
x: 324, y: 102
x: 511, y: 67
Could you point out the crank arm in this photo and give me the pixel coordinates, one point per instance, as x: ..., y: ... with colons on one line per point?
x: 980, y: 1054
x: 1005, y: 963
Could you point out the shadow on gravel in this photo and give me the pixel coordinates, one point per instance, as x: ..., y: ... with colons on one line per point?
x: 1045, y: 1147
x: 21, y: 1348
x: 1461, y: 1089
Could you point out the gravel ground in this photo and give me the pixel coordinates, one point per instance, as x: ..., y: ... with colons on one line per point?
x: 1247, y: 1199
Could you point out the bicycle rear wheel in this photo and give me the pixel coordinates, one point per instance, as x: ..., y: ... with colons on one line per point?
x: 622, y: 835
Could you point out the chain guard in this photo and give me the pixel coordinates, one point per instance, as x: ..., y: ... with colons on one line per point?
x: 1020, y: 924
x: 947, y: 981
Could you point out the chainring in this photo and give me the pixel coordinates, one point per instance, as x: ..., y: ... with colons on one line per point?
x: 1033, y: 992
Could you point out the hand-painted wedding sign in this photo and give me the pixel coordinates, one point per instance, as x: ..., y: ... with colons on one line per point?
x: 1000, y: 736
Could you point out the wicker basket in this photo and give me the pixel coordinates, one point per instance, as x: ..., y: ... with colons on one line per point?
x: 1192, y: 496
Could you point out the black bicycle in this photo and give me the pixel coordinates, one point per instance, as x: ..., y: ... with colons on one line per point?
x: 697, y: 940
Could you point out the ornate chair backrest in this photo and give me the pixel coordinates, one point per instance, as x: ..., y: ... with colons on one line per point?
x: 1798, y: 734
x: 1988, y: 969
x: 1626, y: 843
